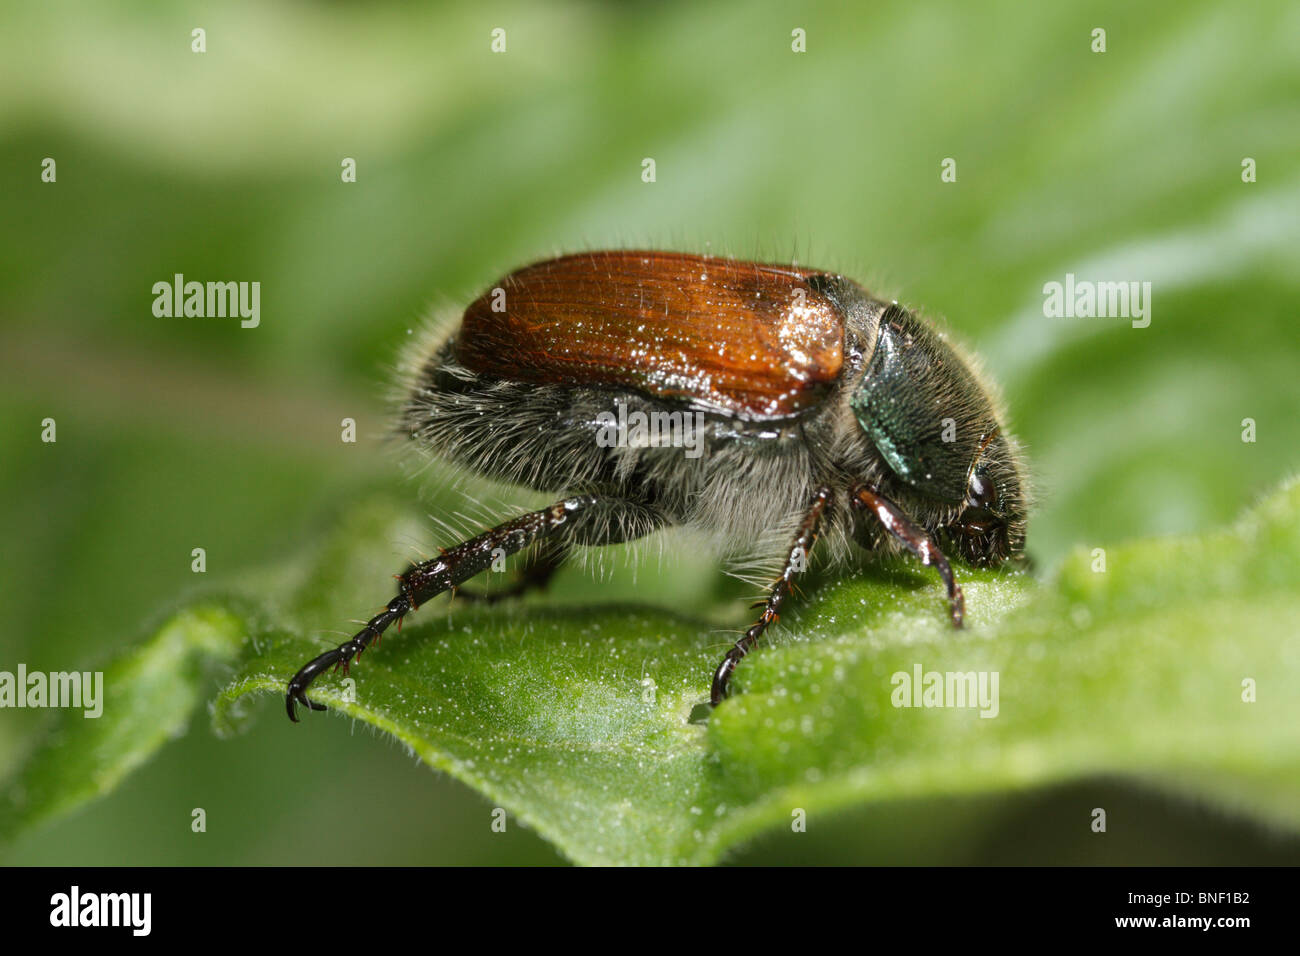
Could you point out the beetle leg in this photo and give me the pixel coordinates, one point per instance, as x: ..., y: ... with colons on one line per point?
x: 536, y: 573
x: 430, y: 578
x: 914, y: 538
x: 796, y: 561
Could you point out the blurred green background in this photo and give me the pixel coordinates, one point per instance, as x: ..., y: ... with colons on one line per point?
x: 178, y: 433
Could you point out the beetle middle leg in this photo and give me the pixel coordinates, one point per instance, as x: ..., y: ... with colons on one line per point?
x: 915, y: 539
x: 795, y: 562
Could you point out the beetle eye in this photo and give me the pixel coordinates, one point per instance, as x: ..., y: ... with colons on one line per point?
x: 981, y: 493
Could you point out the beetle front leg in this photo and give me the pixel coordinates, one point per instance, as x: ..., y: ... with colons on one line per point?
x: 914, y: 538
x: 430, y: 578
x: 795, y: 562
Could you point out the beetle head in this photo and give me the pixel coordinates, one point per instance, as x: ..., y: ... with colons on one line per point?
x: 934, y: 422
x: 990, y: 528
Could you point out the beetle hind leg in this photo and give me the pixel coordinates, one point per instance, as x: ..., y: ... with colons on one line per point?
x: 426, y: 580
x: 541, y: 566
x: 582, y: 519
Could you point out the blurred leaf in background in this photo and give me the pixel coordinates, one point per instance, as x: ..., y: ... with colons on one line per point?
x: 182, y: 433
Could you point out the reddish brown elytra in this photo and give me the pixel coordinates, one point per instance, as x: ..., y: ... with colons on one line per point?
x: 651, y: 390
x: 712, y: 333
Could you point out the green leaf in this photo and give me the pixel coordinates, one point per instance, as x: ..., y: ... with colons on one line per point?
x: 149, y: 696
x: 577, y: 719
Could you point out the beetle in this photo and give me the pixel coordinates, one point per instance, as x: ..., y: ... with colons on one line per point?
x: 825, y: 412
